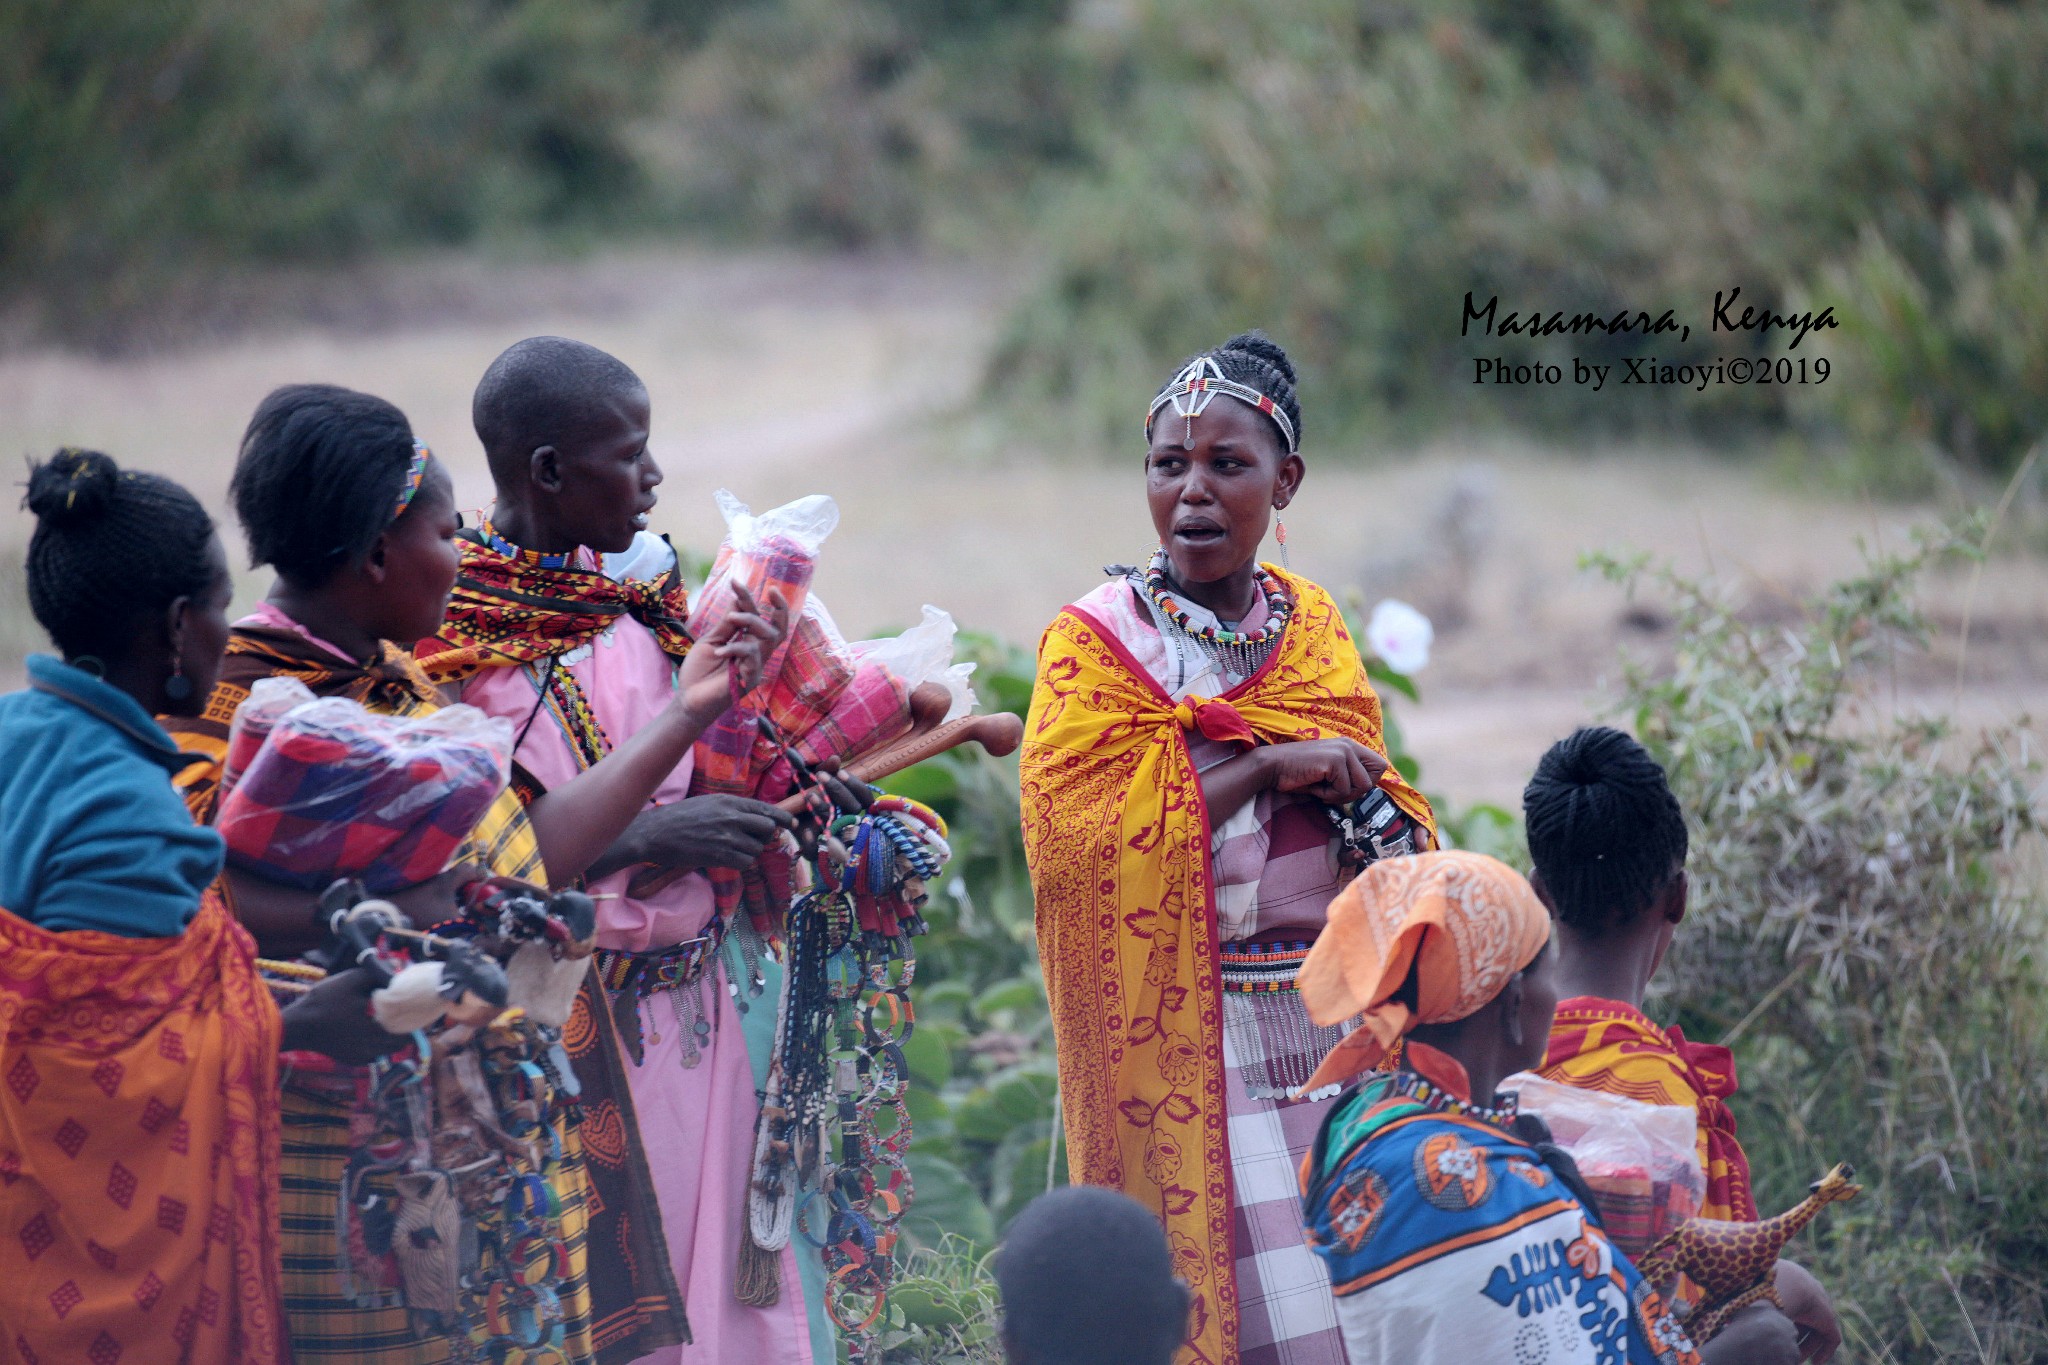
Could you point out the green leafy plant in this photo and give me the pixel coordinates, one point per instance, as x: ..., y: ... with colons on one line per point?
x: 1951, y: 356
x: 943, y: 1309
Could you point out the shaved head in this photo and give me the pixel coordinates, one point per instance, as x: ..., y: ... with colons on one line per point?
x: 546, y: 391
x: 1086, y: 1279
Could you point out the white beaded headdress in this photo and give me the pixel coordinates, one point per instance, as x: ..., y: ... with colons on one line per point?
x: 1193, y: 388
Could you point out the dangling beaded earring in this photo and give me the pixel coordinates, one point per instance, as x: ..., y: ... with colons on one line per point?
x: 177, y: 687
x: 1280, y: 534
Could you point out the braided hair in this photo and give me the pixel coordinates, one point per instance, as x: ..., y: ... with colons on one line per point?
x: 1255, y: 359
x: 112, y: 547
x: 321, y: 468
x: 1604, y: 829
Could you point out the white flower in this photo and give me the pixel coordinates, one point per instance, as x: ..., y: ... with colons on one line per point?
x: 1400, y: 636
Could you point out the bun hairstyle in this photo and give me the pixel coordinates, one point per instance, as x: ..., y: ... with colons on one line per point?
x: 320, y: 470
x: 1604, y: 829
x: 1256, y: 361
x: 111, y: 547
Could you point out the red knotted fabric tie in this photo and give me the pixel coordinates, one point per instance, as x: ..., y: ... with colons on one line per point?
x: 1217, y: 720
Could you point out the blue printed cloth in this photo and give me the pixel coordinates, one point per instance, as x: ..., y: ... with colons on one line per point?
x: 1450, y: 1242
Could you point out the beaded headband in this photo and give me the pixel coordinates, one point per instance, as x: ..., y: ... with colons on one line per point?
x: 415, y: 474
x: 1194, y: 387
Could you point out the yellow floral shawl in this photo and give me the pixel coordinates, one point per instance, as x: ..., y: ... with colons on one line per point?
x: 1117, y: 837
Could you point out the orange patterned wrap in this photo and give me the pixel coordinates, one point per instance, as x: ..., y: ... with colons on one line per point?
x: 1463, y: 922
x: 1605, y: 1045
x: 1117, y: 837
x: 139, y: 1148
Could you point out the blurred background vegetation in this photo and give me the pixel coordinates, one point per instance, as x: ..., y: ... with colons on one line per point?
x: 1154, y: 175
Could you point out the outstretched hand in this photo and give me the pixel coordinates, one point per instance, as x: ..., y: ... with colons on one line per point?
x: 1757, y: 1335
x: 849, y: 796
x: 727, y: 663
x: 1811, y: 1310
x: 706, y: 831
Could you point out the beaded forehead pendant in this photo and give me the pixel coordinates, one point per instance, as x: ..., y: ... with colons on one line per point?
x: 1194, y: 387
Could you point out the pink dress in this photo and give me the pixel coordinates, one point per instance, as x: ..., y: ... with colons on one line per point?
x: 697, y: 1122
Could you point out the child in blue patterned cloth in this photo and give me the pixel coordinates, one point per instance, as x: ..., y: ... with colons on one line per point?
x: 1455, y: 1232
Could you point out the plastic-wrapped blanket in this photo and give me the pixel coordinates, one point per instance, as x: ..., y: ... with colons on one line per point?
x: 1641, y: 1160
x: 324, y: 789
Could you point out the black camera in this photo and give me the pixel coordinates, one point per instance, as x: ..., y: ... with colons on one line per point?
x: 1372, y: 828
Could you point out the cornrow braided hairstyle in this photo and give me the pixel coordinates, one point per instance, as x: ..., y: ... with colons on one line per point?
x: 1604, y: 829
x: 112, y: 547
x: 1254, y: 359
x: 320, y: 469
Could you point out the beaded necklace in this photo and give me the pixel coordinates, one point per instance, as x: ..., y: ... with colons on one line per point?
x: 511, y: 551
x: 1238, y: 652
x: 1435, y: 1098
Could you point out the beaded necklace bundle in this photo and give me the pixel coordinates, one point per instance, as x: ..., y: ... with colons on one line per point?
x: 845, y: 1015
x: 1241, y: 653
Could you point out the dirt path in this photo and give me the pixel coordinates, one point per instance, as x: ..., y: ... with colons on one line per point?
x: 777, y: 376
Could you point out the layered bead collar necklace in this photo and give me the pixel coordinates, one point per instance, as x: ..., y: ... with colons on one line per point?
x: 1437, y: 1099
x: 1240, y: 652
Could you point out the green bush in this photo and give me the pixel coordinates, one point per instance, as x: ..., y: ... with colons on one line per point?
x: 857, y: 122
x: 1344, y: 175
x: 1952, y: 357
x: 139, y: 142
x: 1865, y: 933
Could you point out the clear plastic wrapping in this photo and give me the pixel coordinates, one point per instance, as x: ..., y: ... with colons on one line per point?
x: 269, y: 699
x: 1641, y: 1160
x: 924, y: 654
x: 333, y: 789
x: 778, y: 549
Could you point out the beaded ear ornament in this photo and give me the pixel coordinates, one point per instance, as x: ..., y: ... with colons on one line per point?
x: 1195, y: 387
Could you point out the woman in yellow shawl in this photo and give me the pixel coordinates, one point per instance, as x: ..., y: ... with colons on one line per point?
x: 1191, y: 723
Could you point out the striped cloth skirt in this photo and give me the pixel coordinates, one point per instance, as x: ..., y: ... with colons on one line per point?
x: 1286, y: 1314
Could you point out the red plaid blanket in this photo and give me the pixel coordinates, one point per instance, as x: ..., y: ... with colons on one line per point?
x: 336, y: 790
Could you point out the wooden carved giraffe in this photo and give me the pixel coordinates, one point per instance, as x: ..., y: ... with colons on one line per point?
x: 1734, y: 1263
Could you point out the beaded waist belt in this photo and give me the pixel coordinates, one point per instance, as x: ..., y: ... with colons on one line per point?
x: 1258, y: 968
x: 671, y: 968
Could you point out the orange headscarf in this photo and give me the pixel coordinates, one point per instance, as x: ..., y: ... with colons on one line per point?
x: 1463, y: 921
